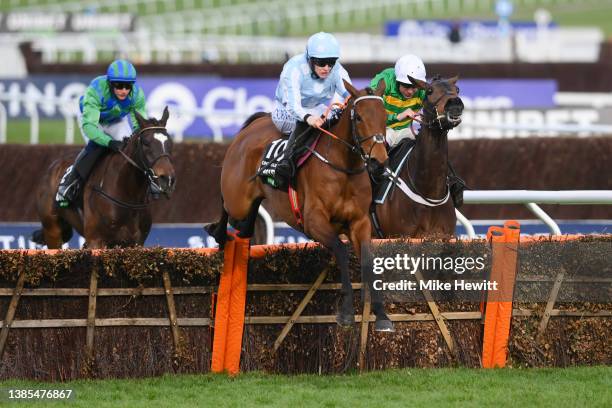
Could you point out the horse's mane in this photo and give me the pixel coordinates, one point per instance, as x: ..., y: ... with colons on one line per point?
x: 253, y: 118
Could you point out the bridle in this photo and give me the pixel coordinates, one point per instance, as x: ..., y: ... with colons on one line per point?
x: 379, y: 138
x: 145, y: 166
x: 355, y: 147
x: 431, y: 110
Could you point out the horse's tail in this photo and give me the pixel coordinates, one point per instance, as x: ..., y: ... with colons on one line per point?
x: 218, y: 230
x: 253, y: 118
x: 38, y: 237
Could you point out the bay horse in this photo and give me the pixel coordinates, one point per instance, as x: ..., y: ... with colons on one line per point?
x: 420, y: 204
x: 114, y: 204
x: 333, y: 189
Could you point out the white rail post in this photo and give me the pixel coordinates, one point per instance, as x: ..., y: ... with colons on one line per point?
x: 69, y: 129
x: 265, y: 215
x: 34, y: 123
x: 541, y: 214
x: 3, y: 121
x: 469, y: 228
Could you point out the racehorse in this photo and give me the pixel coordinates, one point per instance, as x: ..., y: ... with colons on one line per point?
x: 333, y: 189
x: 114, y: 204
x: 422, y: 205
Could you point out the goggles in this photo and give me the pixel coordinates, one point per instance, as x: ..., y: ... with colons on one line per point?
x: 121, y: 85
x: 405, y: 85
x: 322, y: 62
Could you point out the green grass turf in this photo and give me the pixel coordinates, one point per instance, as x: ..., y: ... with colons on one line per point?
x: 460, y: 387
x: 51, y: 131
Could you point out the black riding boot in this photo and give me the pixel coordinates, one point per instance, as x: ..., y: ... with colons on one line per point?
x: 75, y: 175
x: 286, y: 167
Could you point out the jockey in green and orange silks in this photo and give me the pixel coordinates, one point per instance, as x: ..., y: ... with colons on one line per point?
x: 402, y: 99
x: 106, y: 118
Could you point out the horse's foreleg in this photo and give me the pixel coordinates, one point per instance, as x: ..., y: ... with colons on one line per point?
x: 319, y: 228
x: 360, y: 232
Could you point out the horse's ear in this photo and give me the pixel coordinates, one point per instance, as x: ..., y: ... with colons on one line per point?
x: 419, y: 83
x: 454, y: 79
x: 380, y: 88
x: 350, y: 88
x: 165, y: 117
x: 139, y: 119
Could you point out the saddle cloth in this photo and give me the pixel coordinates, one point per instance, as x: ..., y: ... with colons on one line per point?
x: 274, y: 153
x: 398, y: 157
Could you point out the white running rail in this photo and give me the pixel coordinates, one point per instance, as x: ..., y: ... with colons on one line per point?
x: 531, y: 199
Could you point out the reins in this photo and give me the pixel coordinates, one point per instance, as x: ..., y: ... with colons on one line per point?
x: 145, y: 168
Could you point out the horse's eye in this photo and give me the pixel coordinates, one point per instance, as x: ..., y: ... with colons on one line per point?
x: 358, y: 118
x: 457, y: 90
x: 429, y: 91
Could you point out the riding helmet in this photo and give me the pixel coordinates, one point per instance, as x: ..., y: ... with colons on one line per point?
x: 121, y: 71
x: 323, y: 45
x: 409, y: 65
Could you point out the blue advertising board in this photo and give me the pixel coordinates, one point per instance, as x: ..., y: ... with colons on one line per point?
x: 470, y: 29
x: 16, y: 235
x: 227, y: 103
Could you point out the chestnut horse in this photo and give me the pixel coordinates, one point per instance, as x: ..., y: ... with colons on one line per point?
x: 421, y: 203
x: 333, y: 188
x: 115, y: 200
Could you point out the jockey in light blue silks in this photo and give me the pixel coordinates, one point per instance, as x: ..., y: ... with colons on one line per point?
x: 307, y: 86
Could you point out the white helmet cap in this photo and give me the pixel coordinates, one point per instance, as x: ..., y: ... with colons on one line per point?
x: 411, y: 65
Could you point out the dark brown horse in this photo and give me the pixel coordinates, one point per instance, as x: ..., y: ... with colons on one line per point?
x: 115, y: 200
x: 334, y: 196
x: 421, y: 203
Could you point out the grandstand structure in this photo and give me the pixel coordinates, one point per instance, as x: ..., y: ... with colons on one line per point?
x: 193, y: 31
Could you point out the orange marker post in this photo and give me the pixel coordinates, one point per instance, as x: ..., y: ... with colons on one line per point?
x: 231, y: 301
x: 499, y: 303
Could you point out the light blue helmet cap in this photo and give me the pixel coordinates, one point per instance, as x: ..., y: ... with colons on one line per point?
x: 323, y: 45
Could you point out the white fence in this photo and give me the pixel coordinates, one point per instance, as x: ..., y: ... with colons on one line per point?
x: 146, y: 47
x: 531, y: 199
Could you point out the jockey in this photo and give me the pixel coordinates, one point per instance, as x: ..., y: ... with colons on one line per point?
x: 308, y: 84
x: 106, y: 118
x: 402, y: 98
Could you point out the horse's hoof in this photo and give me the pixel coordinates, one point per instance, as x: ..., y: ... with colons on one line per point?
x: 345, y: 321
x: 384, y: 326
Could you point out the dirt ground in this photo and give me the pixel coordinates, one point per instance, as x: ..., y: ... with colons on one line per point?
x: 485, y: 164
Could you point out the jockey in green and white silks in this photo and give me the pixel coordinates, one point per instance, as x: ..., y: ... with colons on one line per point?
x: 402, y: 99
x: 308, y: 84
x: 106, y: 117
